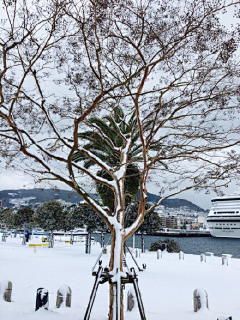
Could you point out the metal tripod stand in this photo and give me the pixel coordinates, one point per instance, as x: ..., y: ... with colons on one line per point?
x: 102, y: 276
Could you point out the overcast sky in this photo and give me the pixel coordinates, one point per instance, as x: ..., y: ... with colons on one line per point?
x: 17, y: 180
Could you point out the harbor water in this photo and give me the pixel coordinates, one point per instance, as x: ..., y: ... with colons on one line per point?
x: 191, y: 245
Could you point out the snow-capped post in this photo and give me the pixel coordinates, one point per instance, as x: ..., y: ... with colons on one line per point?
x: 42, y: 299
x: 200, y: 299
x: 6, y: 290
x: 64, y: 296
x: 130, y: 300
x: 4, y: 237
x: 181, y: 255
x: 224, y: 261
x: 159, y: 254
x: 143, y: 243
x: 202, y: 257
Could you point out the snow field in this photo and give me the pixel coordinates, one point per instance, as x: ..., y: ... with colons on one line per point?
x: 166, y: 285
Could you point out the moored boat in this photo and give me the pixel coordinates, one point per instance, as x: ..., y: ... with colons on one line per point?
x: 224, y: 216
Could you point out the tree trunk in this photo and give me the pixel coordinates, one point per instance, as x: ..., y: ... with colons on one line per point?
x: 116, y: 268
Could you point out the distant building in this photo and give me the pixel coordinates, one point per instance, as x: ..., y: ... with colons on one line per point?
x: 168, y: 222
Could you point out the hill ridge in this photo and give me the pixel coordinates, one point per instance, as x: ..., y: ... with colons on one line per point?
x: 35, y: 196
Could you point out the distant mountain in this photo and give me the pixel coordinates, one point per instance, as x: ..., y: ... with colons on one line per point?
x: 176, y: 203
x: 34, y: 197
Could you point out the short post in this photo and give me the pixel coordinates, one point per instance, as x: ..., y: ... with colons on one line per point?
x: 4, y: 237
x: 159, y: 254
x: 71, y: 238
x: 181, y: 255
x: 200, y: 299
x: 224, y: 261
x: 202, y: 257
x: 136, y: 253
x: 130, y: 300
x: 6, y: 289
x: 42, y: 299
x: 64, y: 296
x: 143, y: 243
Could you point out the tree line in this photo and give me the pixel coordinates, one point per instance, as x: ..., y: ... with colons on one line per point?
x: 52, y: 215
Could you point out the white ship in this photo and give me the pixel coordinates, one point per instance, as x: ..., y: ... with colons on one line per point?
x: 224, y: 217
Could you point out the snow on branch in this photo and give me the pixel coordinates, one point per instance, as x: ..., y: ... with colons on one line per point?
x: 96, y: 159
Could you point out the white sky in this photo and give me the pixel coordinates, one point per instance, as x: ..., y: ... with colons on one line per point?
x: 17, y: 180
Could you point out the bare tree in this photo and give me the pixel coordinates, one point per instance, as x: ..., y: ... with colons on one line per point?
x: 171, y: 62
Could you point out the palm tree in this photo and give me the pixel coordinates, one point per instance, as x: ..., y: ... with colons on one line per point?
x: 104, y: 141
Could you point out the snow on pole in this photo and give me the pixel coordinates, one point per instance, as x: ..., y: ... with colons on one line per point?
x: 159, y: 254
x: 202, y: 257
x: 200, y: 299
x: 6, y: 290
x: 181, y: 255
x: 224, y: 261
x: 64, y: 296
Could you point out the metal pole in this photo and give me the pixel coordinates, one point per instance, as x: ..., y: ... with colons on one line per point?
x: 102, y: 240
x: 143, y: 243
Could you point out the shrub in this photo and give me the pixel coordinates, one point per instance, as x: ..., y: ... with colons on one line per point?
x: 172, y: 246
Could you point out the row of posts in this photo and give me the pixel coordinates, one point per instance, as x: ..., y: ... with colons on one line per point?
x: 64, y: 297
x: 224, y: 258
x: 50, y: 240
x: 137, y: 252
x: 200, y: 301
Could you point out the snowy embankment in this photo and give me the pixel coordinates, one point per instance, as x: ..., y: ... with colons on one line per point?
x: 166, y: 285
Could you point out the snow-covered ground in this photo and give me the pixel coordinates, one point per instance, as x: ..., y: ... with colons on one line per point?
x: 166, y: 285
